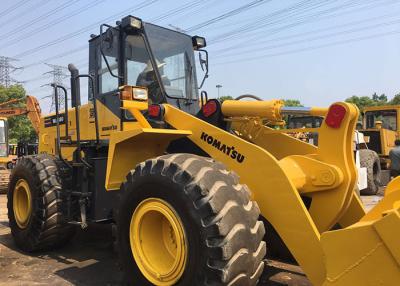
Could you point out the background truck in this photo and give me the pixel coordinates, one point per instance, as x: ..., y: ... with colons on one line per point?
x: 186, y: 181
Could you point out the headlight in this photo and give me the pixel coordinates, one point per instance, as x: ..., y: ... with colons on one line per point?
x: 139, y: 93
x: 128, y: 92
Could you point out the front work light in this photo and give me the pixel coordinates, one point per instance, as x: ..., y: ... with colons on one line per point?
x: 131, y: 23
x: 198, y: 42
x: 139, y: 93
x: 128, y: 92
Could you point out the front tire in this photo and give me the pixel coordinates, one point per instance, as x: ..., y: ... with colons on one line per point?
x: 222, y: 236
x: 36, y: 203
x: 370, y: 160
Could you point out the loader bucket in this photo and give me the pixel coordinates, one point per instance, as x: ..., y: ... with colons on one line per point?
x: 367, y: 252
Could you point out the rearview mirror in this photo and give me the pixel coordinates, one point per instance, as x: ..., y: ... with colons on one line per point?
x: 107, y: 37
x: 203, y: 59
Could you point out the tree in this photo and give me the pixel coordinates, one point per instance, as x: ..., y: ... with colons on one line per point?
x: 225, y: 97
x: 395, y: 100
x: 380, y: 99
x: 20, y: 127
x: 292, y: 102
x: 361, y: 101
x: 364, y: 101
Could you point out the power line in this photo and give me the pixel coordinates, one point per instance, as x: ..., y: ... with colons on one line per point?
x: 80, y: 48
x: 22, y: 14
x: 13, y: 7
x: 291, y: 36
x: 41, y: 77
x: 52, y: 23
x: 57, y: 56
x: 292, y: 14
x: 195, y: 12
x: 139, y: 6
x: 174, y: 11
x: 378, y: 35
x: 178, y: 10
x: 305, y: 19
x: 270, y: 18
x: 321, y: 15
x: 38, y: 19
x: 310, y: 39
x: 36, y: 89
x: 231, y: 13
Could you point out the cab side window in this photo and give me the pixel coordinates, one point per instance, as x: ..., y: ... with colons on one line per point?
x: 106, y: 81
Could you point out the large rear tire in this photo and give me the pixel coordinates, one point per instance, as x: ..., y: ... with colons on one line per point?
x: 217, y: 234
x: 370, y: 160
x: 36, y: 203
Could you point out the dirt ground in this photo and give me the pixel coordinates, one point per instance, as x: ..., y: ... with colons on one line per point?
x: 90, y: 260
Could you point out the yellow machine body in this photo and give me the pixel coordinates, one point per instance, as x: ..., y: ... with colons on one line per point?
x: 382, y: 134
x: 279, y: 170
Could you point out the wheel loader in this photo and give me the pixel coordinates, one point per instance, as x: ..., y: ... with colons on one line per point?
x: 188, y: 181
x: 381, y: 125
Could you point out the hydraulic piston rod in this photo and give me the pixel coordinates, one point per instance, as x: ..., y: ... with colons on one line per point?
x: 273, y: 110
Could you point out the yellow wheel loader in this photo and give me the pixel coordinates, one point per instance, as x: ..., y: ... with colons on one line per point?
x: 381, y: 125
x: 188, y: 181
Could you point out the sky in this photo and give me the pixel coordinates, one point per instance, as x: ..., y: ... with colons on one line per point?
x: 316, y: 51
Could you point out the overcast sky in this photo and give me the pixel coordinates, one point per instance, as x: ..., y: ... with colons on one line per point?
x: 316, y: 51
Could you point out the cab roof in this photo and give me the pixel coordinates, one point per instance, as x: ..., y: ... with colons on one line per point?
x: 382, y: 107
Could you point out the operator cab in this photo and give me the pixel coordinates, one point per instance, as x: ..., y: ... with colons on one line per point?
x: 386, y: 118
x: 144, y: 55
x: 381, y: 126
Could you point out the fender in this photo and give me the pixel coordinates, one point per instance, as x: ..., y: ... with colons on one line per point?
x: 129, y: 148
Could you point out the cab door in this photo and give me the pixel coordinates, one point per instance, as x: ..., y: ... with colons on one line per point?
x: 106, y: 83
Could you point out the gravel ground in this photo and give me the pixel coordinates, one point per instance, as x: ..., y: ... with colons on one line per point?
x: 90, y: 260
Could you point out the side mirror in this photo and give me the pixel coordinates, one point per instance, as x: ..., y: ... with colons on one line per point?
x: 204, y: 65
x: 107, y: 36
x: 203, y: 62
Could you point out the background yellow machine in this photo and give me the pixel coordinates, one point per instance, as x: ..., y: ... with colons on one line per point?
x: 9, y: 155
x: 382, y: 125
x: 188, y: 181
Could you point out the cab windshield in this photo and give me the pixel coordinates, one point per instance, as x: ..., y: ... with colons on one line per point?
x: 173, y: 53
x: 387, y: 117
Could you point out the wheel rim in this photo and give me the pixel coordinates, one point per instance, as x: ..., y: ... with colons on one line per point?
x: 22, y: 203
x: 158, y: 242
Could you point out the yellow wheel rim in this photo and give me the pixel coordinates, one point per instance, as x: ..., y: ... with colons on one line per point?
x: 22, y: 203
x: 158, y: 242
